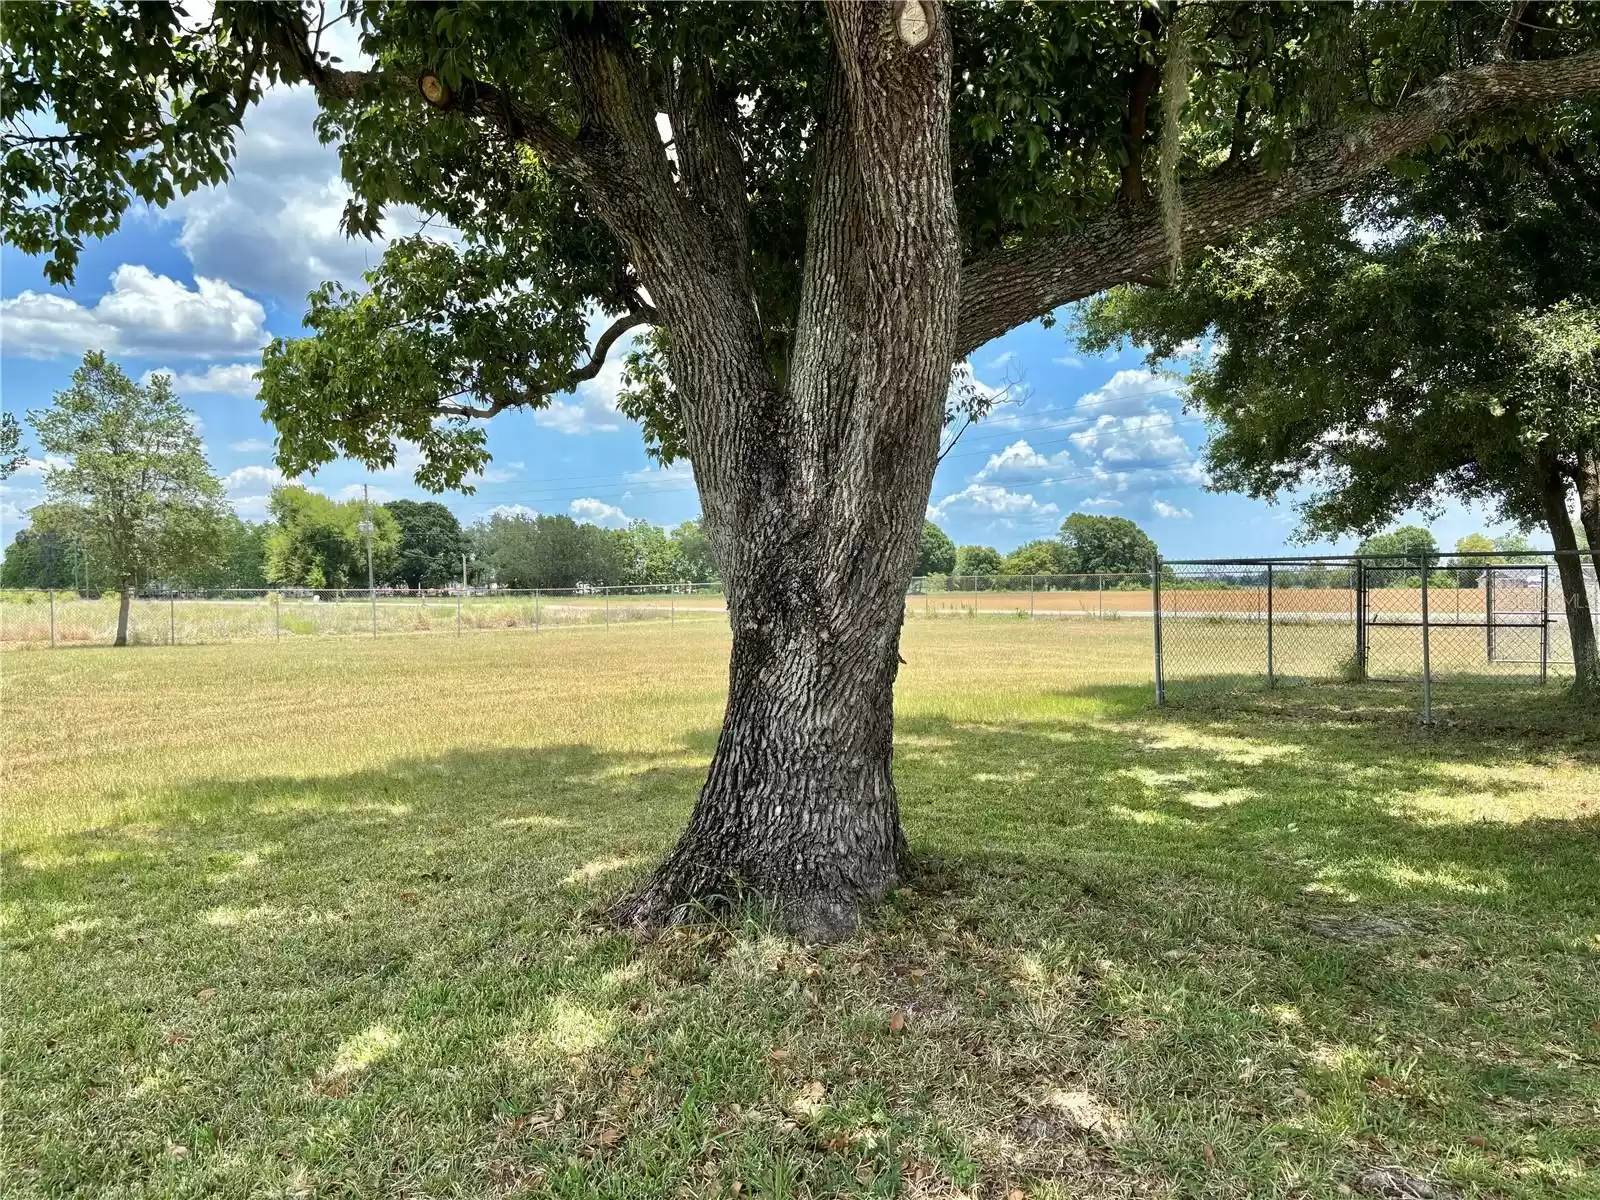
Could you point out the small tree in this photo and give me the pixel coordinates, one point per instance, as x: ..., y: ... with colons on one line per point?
x: 1043, y: 556
x: 977, y: 560
x: 136, y: 478
x: 936, y: 554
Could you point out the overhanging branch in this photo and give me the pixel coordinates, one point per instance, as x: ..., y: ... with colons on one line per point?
x: 597, y: 360
x: 1015, y: 285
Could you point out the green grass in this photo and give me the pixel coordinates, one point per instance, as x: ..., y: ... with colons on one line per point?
x: 318, y: 919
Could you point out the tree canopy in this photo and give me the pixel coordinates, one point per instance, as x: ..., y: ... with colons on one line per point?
x: 317, y: 542
x: 431, y: 543
x: 936, y: 554
x: 1095, y: 543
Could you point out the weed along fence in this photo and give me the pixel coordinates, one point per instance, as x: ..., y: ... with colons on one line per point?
x: 180, y: 617
x: 1435, y: 619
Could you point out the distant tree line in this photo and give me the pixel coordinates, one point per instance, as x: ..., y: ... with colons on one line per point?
x: 1086, y: 544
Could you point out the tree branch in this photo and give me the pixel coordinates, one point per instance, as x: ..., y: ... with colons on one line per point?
x: 597, y: 360
x: 1012, y: 286
x: 288, y: 41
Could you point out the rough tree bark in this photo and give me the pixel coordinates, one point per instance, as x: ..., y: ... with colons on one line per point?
x: 1569, y: 569
x: 1588, y: 481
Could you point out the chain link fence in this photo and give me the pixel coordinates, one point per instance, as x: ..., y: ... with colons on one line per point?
x: 190, y: 617
x: 1428, y: 618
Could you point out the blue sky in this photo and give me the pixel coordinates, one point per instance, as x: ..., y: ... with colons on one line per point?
x: 197, y: 288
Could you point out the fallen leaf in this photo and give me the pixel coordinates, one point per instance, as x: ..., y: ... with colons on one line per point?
x: 607, y: 1135
x: 1478, y: 1140
x: 205, y: 993
x: 174, y: 1038
x: 1016, y: 1194
x: 897, y: 1023
x: 637, y: 1071
x: 917, y: 974
x: 408, y: 897
x: 735, y: 1188
x: 778, y: 1055
x: 1209, y: 1155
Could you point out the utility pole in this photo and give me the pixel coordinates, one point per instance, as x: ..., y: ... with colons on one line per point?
x: 366, y: 528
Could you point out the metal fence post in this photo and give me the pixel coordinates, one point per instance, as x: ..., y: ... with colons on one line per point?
x: 1155, y: 608
x: 1427, y: 666
x: 1361, y: 620
x: 1033, y: 588
x: 52, y: 618
x: 275, y: 621
x: 172, y: 620
x: 608, y: 606
x: 1488, y: 611
x: 672, y: 608
x: 536, y: 610
x: 1544, y: 625
x: 1271, y: 681
x: 1102, y: 581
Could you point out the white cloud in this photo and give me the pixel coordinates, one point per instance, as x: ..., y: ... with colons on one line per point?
x: 1068, y: 360
x: 250, y: 446
x: 249, y: 488
x: 38, y: 466
x: 595, y: 408
x: 1145, y: 439
x: 1019, y: 462
x: 597, y: 512
x: 1163, y: 509
x: 1099, y: 502
x: 500, y: 474
x: 143, y: 313
x: 511, y: 510
x: 273, y: 228
x: 1000, y: 360
x: 1128, y: 392
x: 991, y: 500
x: 219, y: 379
x: 679, y: 475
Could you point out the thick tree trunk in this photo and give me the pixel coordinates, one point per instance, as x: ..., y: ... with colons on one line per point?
x: 1569, y: 567
x: 124, y: 603
x: 814, y: 491
x: 799, y: 810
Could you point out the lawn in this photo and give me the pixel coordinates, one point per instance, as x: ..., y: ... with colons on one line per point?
x: 319, y: 919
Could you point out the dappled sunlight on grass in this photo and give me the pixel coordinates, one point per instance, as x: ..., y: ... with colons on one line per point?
x: 350, y: 946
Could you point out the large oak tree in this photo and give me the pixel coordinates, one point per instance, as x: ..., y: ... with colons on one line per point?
x: 816, y: 209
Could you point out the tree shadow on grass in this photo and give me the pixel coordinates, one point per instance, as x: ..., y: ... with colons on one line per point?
x: 391, y: 982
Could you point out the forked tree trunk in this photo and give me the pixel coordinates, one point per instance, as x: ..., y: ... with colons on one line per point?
x: 1569, y: 568
x: 814, y: 489
x: 124, y: 603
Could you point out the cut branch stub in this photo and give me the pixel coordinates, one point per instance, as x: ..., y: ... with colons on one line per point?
x: 434, y: 90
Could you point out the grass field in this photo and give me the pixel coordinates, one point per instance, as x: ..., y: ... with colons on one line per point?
x: 319, y: 920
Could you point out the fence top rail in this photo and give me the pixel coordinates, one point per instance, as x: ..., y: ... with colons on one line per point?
x: 1502, y: 558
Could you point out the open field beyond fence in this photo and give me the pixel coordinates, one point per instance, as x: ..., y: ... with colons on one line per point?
x: 324, y: 922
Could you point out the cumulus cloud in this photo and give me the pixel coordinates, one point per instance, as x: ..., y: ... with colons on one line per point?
x: 597, y: 512
x: 1128, y: 392
x: 512, y: 511
x: 220, y: 379
x: 1099, y: 502
x: 1020, y: 462
x: 143, y: 314
x: 991, y: 500
x: 249, y: 488
x: 1163, y: 509
x: 250, y: 446
x: 504, y: 473
x: 273, y: 228
x: 38, y: 466
x: 1148, y: 438
x: 594, y: 407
